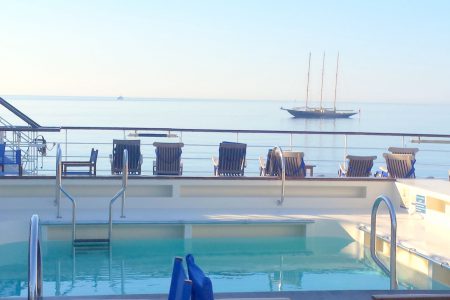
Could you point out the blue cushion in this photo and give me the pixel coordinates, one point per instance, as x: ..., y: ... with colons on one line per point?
x: 180, y: 287
x: 201, y: 285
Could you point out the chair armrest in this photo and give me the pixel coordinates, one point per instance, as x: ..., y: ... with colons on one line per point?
x: 111, y: 162
x: 342, y: 171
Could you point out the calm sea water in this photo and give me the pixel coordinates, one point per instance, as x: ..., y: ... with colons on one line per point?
x: 324, y: 151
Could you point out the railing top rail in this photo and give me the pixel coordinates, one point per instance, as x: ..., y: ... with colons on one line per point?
x: 26, y: 128
x: 206, y: 130
x: 113, y: 128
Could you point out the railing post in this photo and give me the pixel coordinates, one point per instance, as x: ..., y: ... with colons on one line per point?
x: 65, y: 146
x: 58, y: 181
x: 392, y: 272
x: 124, y: 179
x: 290, y: 141
x: 237, y: 137
x: 345, y: 150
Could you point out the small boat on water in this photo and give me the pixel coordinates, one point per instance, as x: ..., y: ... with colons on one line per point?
x: 320, y: 112
x: 120, y: 98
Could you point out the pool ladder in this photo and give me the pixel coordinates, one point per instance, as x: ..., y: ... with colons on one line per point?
x: 278, y: 151
x: 34, y: 261
x: 392, y: 271
x: 59, y: 189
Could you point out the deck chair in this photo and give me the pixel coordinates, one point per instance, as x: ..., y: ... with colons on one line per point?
x: 294, y: 164
x: 10, y: 157
x: 357, y: 166
x: 383, y: 172
x: 400, y: 165
x: 134, y: 156
x: 201, y: 284
x: 91, y: 164
x: 231, y: 161
x: 168, y: 159
x: 180, y: 285
x: 271, y: 165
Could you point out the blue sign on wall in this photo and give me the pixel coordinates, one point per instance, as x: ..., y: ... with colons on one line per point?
x: 421, y: 204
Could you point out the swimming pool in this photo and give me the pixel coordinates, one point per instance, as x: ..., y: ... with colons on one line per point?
x: 246, y: 264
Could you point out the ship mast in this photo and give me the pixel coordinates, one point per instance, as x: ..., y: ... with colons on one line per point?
x: 335, y: 85
x: 321, y: 87
x: 307, y: 84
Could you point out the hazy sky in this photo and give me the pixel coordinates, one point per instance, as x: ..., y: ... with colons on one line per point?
x: 238, y: 49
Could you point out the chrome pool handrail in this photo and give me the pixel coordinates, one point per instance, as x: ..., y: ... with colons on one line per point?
x: 121, y: 192
x: 34, y: 261
x: 60, y: 189
x: 277, y: 150
x: 392, y: 271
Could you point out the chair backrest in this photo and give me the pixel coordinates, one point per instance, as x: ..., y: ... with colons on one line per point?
x: 398, y: 150
x: 2, y: 152
x: 232, y: 159
x: 94, y: 155
x: 134, y: 156
x: 359, y: 166
x: 400, y: 165
x: 294, y: 164
x: 168, y: 158
x: 180, y: 285
x: 201, y: 284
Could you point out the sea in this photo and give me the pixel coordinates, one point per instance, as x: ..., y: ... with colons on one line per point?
x: 327, y: 152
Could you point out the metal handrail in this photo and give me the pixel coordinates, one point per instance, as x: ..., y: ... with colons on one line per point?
x: 121, y: 192
x: 60, y: 189
x: 34, y: 261
x: 277, y: 150
x: 392, y: 271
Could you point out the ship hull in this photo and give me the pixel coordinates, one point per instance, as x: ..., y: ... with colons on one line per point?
x: 319, y: 114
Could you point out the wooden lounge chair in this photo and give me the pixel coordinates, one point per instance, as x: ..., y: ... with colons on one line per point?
x: 271, y: 165
x: 294, y: 164
x: 357, y: 166
x: 231, y: 161
x: 168, y: 159
x: 91, y: 164
x: 134, y: 156
x: 383, y: 172
x: 400, y: 165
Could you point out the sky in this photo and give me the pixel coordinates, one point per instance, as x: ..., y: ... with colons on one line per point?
x: 390, y: 51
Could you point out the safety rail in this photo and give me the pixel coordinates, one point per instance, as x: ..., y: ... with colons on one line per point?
x: 392, y: 271
x: 278, y: 151
x: 34, y: 261
x: 60, y: 189
x: 121, y: 192
x: 77, y: 140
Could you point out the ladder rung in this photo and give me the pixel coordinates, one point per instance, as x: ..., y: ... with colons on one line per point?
x: 89, y: 242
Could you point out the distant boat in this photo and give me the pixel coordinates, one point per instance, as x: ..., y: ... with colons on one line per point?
x: 320, y: 112
x: 317, y: 113
x: 120, y: 98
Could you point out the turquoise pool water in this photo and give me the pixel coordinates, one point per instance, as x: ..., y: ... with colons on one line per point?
x: 234, y: 265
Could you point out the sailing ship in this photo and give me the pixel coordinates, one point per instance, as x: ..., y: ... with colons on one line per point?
x: 320, y: 112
